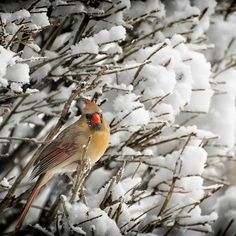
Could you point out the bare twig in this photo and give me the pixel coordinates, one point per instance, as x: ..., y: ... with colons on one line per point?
x: 83, y: 168
x: 28, y: 140
x: 147, y: 59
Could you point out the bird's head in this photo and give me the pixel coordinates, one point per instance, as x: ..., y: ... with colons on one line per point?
x: 92, y: 112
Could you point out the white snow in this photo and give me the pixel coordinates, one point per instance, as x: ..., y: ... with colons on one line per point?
x: 174, y: 75
x: 95, y: 219
x: 91, y: 44
x: 4, y: 183
x: 11, y: 72
x: 18, y: 73
x: 116, y: 33
x: 193, y: 161
x: 225, y: 206
x: 16, y: 87
x: 86, y: 45
x: 6, y: 58
x: 15, y: 15
x: 197, y: 95
x: 39, y: 17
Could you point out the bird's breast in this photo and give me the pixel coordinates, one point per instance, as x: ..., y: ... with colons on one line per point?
x: 98, y: 145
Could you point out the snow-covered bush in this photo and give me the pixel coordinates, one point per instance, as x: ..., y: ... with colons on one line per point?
x: 166, y: 71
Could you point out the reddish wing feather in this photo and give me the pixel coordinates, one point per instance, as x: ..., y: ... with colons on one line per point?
x: 54, y: 155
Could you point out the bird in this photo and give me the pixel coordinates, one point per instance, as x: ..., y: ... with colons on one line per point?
x: 65, y: 152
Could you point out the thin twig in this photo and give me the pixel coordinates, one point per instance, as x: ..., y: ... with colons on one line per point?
x: 147, y: 59
x: 83, y: 168
x: 28, y: 140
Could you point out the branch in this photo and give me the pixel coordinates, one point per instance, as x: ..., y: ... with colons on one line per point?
x: 82, y: 171
x: 147, y: 59
x: 28, y: 140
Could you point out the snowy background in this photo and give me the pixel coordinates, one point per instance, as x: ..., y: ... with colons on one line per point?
x: 165, y: 74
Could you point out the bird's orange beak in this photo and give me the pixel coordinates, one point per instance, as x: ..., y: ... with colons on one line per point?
x: 96, y: 119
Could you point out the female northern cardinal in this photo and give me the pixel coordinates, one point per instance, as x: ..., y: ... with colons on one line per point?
x: 64, y: 153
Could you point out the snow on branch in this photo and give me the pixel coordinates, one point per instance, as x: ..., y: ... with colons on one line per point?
x: 164, y: 74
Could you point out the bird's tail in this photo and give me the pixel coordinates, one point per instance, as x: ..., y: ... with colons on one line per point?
x: 30, y: 200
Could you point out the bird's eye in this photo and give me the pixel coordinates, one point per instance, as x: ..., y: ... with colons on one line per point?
x: 88, y: 116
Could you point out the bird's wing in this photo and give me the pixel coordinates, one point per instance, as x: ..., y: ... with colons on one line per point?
x: 53, y: 155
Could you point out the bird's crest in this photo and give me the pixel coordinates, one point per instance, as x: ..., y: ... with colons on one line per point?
x: 88, y: 107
